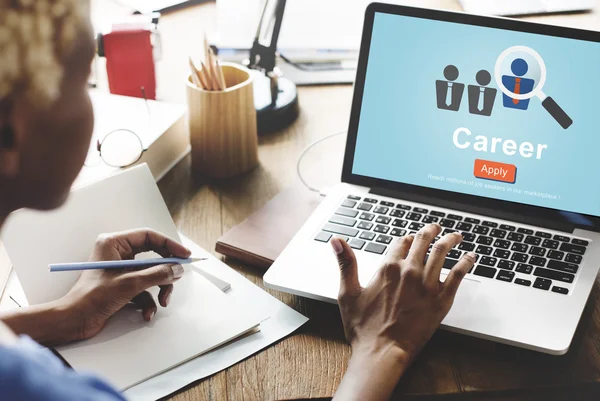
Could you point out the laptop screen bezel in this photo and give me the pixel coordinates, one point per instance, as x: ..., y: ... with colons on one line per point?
x: 562, y: 218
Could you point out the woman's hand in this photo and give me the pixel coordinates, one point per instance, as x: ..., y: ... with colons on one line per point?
x: 388, y: 322
x: 98, y: 294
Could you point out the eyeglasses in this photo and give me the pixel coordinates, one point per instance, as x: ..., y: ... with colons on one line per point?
x: 119, y: 148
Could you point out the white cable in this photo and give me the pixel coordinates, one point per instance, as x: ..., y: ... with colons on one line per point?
x: 304, y: 152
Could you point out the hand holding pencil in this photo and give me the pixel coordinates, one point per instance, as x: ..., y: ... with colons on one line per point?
x: 210, y: 75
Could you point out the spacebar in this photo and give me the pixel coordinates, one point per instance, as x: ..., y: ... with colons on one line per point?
x: 337, y: 229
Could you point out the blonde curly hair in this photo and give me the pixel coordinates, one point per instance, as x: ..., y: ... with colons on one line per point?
x: 35, y: 38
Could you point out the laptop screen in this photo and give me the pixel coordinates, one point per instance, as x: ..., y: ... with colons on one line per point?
x: 482, y: 111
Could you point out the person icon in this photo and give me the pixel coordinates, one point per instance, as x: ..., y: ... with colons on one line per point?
x: 482, y: 98
x: 517, y: 85
x: 449, y: 93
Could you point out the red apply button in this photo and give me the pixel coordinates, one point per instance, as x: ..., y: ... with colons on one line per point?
x: 495, y: 171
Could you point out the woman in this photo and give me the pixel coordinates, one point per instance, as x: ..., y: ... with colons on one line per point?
x: 46, y: 124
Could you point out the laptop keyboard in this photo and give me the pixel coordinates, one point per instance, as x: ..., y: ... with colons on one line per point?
x: 509, y: 253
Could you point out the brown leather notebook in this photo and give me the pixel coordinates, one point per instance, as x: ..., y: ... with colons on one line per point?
x: 259, y: 239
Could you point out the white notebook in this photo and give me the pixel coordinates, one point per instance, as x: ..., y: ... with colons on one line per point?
x: 129, y: 350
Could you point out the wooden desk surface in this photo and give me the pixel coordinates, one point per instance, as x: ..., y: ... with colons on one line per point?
x: 310, y: 364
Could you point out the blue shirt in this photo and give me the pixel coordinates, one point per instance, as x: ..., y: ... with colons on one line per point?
x: 29, y: 372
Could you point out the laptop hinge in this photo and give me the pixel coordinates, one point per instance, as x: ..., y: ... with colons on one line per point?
x: 499, y: 214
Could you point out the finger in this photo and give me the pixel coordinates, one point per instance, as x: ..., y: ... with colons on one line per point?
x: 422, y: 240
x: 145, y: 302
x: 457, y: 273
x: 399, y: 248
x: 349, y: 283
x: 144, y: 240
x: 437, y: 256
x: 164, y: 296
x: 158, y: 275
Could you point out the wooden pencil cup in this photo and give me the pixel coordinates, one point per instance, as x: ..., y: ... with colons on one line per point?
x: 223, y: 131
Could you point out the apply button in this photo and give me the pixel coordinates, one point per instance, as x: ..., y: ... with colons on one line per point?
x: 495, y: 171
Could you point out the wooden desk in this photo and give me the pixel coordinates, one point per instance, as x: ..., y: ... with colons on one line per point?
x: 310, y: 364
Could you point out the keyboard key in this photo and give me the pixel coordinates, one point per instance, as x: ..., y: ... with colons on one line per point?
x: 525, y: 231
x: 371, y: 200
x: 342, y: 237
x: 542, y: 284
x: 398, y: 232
x: 537, y: 251
x: 468, y: 237
x: 519, y: 248
x: 342, y: 211
x: 570, y: 248
x: 543, y: 234
x: 462, y: 226
x: 505, y: 275
x: 337, y: 229
x: 519, y: 257
x: 454, y: 217
x: 533, y: 240
x: 554, y: 275
x: 485, y: 271
x: 383, y: 220
x: 521, y: 281
x: 488, y: 261
x: 515, y: 237
x: 365, y: 206
x: 563, y: 267
x: 485, y: 240
x: 550, y: 244
x: 557, y: 255
x: 560, y: 290
x: 414, y: 216
x: 345, y: 221
x: 416, y: 226
x: 400, y: 223
x: 367, y: 216
x: 437, y: 214
x: 506, y: 264
x: 580, y: 242
x: 381, y: 210
x: 323, y: 237
x: 375, y: 248
x: 561, y: 238
x: 403, y: 207
x: 384, y: 239
x: 502, y: 244
x: 472, y: 220
x: 379, y: 228
x: 349, y: 203
x: 454, y: 254
x: 537, y: 261
x: 573, y: 258
x: 397, y: 213
x: 385, y: 203
x: 354, y: 197
x: 484, y: 250
x: 507, y: 227
x: 447, y: 223
x: 357, y: 243
x: 524, y: 268
x: 481, y: 230
x: 466, y: 246
x: 498, y: 233
x: 369, y: 236
x: 420, y: 210
x: 502, y: 253
x: 430, y: 219
x: 365, y: 225
x: 489, y: 224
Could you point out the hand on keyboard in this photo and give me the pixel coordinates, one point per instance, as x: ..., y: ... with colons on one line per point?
x: 388, y: 322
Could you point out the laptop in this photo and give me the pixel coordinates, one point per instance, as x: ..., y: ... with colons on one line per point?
x: 525, y: 7
x: 488, y: 127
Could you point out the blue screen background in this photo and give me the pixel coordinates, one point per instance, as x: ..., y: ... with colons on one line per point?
x: 404, y: 137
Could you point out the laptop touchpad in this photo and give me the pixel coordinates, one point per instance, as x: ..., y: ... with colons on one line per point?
x: 462, y: 309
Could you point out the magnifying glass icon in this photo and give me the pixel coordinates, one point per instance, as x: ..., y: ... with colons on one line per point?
x: 549, y: 104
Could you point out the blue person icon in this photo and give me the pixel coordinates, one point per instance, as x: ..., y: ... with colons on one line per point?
x: 517, y: 85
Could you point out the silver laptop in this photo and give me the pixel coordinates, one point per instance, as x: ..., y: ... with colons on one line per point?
x: 488, y: 127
